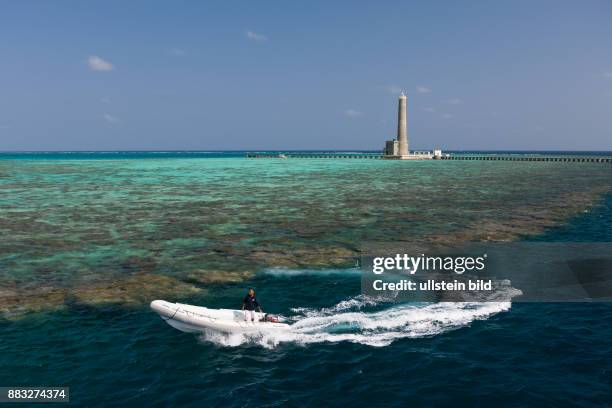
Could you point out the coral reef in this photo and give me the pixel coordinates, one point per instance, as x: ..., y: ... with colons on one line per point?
x: 126, y: 231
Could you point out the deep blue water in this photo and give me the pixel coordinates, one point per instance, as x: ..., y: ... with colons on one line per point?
x: 554, y: 354
x: 534, y: 354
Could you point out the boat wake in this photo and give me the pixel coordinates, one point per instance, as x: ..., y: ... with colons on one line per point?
x: 352, y: 320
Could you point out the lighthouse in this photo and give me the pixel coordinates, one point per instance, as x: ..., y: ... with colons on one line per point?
x: 402, y: 126
x: 397, y: 149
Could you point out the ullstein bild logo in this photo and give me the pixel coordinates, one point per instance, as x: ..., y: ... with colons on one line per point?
x: 517, y: 271
x: 413, y: 264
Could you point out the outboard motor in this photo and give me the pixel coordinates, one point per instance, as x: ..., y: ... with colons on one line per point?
x: 272, y: 318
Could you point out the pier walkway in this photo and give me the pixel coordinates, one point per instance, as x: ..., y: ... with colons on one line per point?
x: 314, y: 155
x: 451, y: 156
x: 526, y: 157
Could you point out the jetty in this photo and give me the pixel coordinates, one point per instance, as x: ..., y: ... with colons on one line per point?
x: 313, y: 155
x: 447, y: 156
x: 528, y: 157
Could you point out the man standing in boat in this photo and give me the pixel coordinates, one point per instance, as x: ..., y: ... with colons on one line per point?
x: 249, y: 305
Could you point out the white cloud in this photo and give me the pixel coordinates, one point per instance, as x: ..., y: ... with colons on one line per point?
x: 429, y: 109
x: 394, y: 89
x: 98, y: 64
x: 110, y: 118
x: 178, y: 52
x: 447, y: 116
x: 607, y: 74
x: 423, y: 89
x: 352, y: 113
x: 253, y: 36
x: 105, y: 100
x: 454, y: 101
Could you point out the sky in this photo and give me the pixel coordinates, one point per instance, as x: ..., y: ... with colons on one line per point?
x: 250, y: 75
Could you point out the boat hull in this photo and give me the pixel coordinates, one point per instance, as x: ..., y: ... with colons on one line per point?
x: 195, y: 319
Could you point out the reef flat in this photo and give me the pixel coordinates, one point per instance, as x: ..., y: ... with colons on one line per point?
x: 123, y: 231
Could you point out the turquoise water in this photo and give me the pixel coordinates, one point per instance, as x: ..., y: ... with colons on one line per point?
x: 86, y: 244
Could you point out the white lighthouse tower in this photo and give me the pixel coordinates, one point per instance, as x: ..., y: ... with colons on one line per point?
x: 397, y: 149
x: 402, y: 127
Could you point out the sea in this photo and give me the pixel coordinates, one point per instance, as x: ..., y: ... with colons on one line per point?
x: 88, y: 239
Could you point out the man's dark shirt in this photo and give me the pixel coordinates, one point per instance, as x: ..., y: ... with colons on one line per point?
x: 250, y: 302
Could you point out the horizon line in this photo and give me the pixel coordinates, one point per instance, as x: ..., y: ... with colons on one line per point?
x: 287, y: 150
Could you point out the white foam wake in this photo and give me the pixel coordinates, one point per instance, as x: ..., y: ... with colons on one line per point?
x: 346, y: 321
x: 354, y: 303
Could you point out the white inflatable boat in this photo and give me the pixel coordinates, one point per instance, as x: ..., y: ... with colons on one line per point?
x: 194, y: 319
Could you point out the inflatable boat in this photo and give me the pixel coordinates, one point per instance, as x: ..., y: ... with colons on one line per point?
x: 194, y: 319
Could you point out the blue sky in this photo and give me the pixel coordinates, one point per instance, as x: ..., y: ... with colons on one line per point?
x: 106, y: 75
